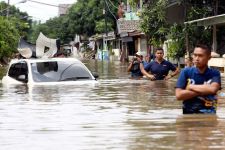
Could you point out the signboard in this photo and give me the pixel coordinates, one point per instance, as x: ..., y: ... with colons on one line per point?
x: 128, y: 25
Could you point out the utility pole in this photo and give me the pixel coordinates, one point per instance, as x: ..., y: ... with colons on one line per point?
x: 106, y: 30
x: 8, y: 7
x: 105, y: 13
x: 47, y: 4
x: 186, y: 33
x: 214, y: 26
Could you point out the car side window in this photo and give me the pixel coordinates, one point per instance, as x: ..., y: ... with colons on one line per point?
x: 18, y: 70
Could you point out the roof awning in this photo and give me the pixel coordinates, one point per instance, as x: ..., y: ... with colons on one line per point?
x: 213, y: 20
x: 135, y: 33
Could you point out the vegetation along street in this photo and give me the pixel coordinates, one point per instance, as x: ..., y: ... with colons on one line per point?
x: 86, y: 18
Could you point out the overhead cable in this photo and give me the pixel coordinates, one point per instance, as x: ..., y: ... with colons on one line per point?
x: 46, y: 4
x: 110, y: 10
x: 113, y: 4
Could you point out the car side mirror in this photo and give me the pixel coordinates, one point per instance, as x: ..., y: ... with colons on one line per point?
x: 22, y: 78
x: 95, y: 74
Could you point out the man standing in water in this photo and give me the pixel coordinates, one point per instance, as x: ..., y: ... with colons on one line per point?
x: 159, y: 68
x: 197, y: 86
x: 134, y: 66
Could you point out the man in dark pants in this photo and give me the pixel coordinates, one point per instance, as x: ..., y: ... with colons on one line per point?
x: 159, y: 68
x: 197, y: 86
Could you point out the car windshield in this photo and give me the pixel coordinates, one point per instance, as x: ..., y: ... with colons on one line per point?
x: 55, y: 71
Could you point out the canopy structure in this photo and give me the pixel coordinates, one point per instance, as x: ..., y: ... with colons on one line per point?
x: 213, y: 20
x: 45, y: 47
x: 27, y: 50
x: 210, y: 21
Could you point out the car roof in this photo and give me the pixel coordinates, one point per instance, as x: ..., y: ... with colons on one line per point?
x: 45, y: 60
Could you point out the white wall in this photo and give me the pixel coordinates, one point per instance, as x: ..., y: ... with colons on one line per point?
x: 143, y: 45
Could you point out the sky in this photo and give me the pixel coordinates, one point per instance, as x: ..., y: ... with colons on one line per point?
x: 40, y: 11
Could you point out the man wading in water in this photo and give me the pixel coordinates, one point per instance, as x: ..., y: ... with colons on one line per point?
x: 134, y: 66
x: 159, y: 68
x: 197, y: 86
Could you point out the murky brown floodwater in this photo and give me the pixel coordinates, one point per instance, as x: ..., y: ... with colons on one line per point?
x: 117, y: 113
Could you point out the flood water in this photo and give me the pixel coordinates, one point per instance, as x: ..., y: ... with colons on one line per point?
x: 118, y: 113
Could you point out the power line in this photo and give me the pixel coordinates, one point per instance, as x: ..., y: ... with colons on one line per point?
x: 113, y: 4
x: 110, y: 10
x: 47, y: 4
x: 36, y: 15
x: 8, y: 6
x: 5, y: 9
x: 24, y: 1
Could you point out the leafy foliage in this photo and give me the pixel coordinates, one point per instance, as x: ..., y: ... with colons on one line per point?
x: 8, y: 38
x: 154, y: 23
x: 53, y: 28
x: 20, y: 19
x: 16, y: 25
x: 85, y: 18
x: 198, y: 34
x: 176, y: 36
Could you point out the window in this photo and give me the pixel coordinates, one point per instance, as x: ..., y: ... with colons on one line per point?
x: 55, y: 71
x: 17, y: 70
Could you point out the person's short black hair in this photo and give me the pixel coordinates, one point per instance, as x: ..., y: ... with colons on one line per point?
x: 207, y: 48
x: 159, y: 49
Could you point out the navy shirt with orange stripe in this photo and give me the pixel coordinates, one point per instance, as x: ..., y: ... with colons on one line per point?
x: 160, y: 70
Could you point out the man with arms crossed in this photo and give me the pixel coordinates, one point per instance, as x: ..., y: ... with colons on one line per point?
x: 197, y: 86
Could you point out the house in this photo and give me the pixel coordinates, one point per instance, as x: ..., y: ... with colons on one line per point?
x: 112, y: 46
x: 217, y: 23
x: 132, y: 39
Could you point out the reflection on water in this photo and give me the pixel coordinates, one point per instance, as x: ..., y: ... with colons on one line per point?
x: 201, y: 131
x: 117, y: 113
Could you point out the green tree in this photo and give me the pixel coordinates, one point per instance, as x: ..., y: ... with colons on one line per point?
x: 9, y: 38
x: 52, y: 28
x: 87, y: 18
x: 20, y: 19
x: 84, y: 18
x: 176, y: 42
x: 196, y: 33
x: 12, y: 27
x: 155, y: 26
x: 34, y: 32
x: 154, y: 23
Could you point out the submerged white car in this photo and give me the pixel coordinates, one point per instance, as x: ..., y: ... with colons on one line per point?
x: 49, y: 71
